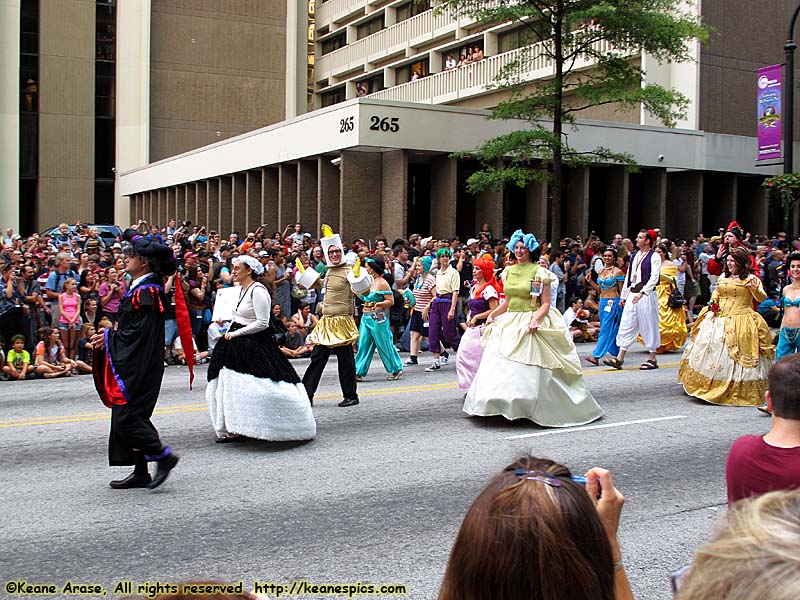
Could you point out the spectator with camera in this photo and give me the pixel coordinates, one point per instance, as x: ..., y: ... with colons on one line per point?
x: 11, y: 302
x: 534, y: 532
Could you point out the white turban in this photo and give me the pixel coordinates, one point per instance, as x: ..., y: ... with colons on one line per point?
x: 255, y: 266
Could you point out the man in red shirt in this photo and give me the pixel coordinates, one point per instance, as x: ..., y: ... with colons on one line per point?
x: 760, y: 464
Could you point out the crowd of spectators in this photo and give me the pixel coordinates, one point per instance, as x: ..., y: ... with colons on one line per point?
x: 55, y: 288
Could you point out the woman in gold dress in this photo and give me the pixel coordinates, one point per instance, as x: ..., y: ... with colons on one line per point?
x: 671, y: 321
x: 730, y: 351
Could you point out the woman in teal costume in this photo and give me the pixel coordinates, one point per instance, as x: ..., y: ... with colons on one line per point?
x: 374, y: 330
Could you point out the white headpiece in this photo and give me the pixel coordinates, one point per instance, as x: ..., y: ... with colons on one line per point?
x: 329, y: 239
x: 255, y: 266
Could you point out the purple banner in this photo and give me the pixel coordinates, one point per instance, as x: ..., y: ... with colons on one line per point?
x: 769, y: 112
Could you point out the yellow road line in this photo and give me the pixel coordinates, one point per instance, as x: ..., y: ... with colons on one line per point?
x: 363, y: 393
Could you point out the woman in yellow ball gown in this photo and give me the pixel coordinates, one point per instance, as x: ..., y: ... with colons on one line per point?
x: 730, y: 351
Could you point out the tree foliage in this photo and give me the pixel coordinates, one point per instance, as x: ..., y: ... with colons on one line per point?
x: 592, y: 48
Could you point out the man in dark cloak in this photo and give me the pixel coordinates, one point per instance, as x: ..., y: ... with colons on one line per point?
x: 129, y: 365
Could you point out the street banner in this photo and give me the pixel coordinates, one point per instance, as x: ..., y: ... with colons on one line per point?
x: 769, y: 113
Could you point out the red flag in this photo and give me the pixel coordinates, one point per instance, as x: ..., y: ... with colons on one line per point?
x: 184, y: 327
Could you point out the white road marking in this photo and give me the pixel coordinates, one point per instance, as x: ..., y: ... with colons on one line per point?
x: 605, y: 426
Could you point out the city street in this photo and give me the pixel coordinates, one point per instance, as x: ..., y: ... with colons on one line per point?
x: 378, y: 497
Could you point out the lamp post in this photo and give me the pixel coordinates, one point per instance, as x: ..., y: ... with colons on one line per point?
x: 788, y: 111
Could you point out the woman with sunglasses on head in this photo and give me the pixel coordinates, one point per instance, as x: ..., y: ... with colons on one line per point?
x: 252, y: 390
x: 534, y: 532
x: 527, y: 347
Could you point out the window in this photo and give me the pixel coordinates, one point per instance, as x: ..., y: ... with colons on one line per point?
x: 334, y: 43
x: 407, y: 73
x: 371, y: 85
x: 412, y: 9
x: 523, y: 36
x: 334, y: 97
x: 370, y: 27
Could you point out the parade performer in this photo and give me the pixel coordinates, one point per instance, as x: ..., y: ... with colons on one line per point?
x: 128, y: 365
x: 609, y: 283
x: 253, y: 391
x: 441, y: 312
x: 789, y: 335
x: 733, y: 238
x: 483, y: 299
x: 530, y: 368
x: 336, y: 330
x: 671, y: 321
x: 374, y: 331
x: 730, y: 351
x: 640, y: 303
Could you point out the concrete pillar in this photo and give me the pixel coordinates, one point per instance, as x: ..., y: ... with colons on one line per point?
x: 287, y: 195
x: 685, y: 204
x: 444, y: 192
x: 615, y: 212
x: 576, y: 194
x: 132, y: 110
x: 9, y: 115
x: 253, y: 200
x: 172, y: 203
x: 269, y: 198
x: 226, y: 206
x: 180, y: 204
x: 212, y: 218
x: 152, y: 207
x: 394, y: 194
x: 239, y: 204
x: 201, y: 215
x: 161, y: 213
x: 190, y: 214
x: 654, y: 204
x: 360, y: 194
x: 489, y: 209
x: 537, y: 210
x: 328, y: 194
x: 307, y: 194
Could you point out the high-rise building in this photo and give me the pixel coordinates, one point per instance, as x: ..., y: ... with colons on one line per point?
x: 94, y: 87
x: 374, y: 113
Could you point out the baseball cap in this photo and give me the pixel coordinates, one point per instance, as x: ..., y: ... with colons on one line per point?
x: 471, y: 241
x: 263, y: 254
x: 189, y: 254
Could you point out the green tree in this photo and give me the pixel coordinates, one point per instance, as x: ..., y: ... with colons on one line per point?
x: 606, y: 36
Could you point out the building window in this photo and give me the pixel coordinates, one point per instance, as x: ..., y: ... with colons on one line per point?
x: 413, y: 71
x: 334, y: 43
x: 370, y: 27
x: 333, y: 97
x: 411, y: 9
x: 522, y: 36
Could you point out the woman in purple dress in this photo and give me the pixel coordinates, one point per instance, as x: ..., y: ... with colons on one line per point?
x: 483, y: 299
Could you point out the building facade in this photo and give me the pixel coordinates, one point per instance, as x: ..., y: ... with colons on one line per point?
x: 374, y: 156
x: 94, y: 87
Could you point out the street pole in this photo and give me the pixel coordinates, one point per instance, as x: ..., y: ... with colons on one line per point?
x: 788, y: 110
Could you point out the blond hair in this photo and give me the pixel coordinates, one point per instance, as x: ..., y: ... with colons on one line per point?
x: 755, y: 556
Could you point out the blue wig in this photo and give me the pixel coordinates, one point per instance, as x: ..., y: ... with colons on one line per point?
x: 526, y: 238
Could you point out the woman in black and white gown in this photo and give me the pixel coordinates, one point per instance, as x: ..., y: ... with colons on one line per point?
x: 252, y: 390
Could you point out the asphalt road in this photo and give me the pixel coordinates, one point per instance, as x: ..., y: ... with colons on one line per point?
x: 378, y: 497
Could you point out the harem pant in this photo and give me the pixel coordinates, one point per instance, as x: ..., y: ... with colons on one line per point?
x: 440, y: 327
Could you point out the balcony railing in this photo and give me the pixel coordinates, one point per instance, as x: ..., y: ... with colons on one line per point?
x: 336, y: 10
x: 388, y: 42
x: 472, y: 80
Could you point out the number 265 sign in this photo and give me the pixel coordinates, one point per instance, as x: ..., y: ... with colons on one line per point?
x: 377, y: 123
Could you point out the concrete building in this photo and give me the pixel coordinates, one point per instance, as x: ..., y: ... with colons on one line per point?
x: 92, y: 88
x: 374, y: 155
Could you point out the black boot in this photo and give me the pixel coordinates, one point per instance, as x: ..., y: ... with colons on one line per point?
x: 165, y: 465
x: 140, y: 477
